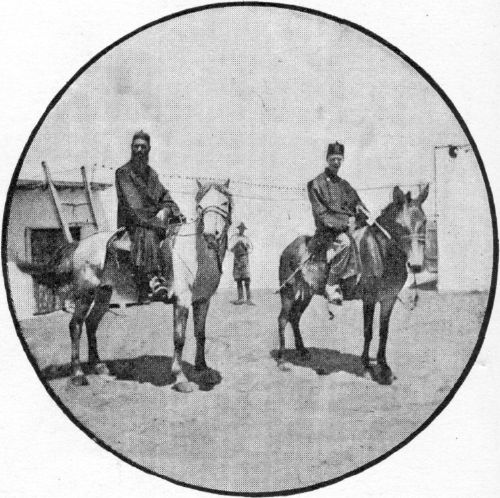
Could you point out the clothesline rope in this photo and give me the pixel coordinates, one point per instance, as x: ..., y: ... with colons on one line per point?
x: 260, y: 184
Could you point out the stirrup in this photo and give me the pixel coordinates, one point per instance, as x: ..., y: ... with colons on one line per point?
x: 333, y: 294
x: 159, y: 288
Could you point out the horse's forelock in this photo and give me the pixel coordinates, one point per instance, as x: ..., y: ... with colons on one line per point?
x: 223, y: 189
x: 217, y: 186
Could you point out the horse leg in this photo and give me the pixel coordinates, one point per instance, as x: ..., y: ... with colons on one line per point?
x: 181, y: 383
x: 384, y: 374
x: 82, y: 306
x: 286, y: 306
x: 368, y: 312
x: 200, y: 310
x: 295, y: 314
x: 101, y: 306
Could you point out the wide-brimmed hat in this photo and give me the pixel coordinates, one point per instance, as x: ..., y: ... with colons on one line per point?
x: 242, y: 226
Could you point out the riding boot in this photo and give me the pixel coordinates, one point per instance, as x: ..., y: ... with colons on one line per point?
x: 240, y: 299
x: 142, y: 284
x: 249, y: 295
x: 334, y: 297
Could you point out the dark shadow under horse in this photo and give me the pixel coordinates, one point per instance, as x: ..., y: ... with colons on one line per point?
x: 397, y: 244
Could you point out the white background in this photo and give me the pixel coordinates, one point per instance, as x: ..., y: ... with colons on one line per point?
x: 44, y: 44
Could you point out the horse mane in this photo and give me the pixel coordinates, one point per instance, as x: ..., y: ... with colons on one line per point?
x: 391, y: 210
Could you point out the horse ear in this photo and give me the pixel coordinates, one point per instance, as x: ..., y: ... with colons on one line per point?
x: 398, y: 196
x: 200, y: 185
x: 408, y: 196
x: 423, y: 195
x: 226, y: 184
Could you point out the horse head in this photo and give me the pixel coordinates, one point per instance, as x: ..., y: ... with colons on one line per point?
x: 214, y: 205
x: 405, y: 221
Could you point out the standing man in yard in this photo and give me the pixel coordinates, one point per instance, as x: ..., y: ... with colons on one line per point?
x: 241, y: 246
x: 335, y: 205
x: 141, y: 196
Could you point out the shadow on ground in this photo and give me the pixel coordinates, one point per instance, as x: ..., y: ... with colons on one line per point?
x: 323, y: 361
x: 327, y: 361
x: 155, y: 370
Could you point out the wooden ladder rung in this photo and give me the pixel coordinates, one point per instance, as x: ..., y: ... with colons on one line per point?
x: 58, y: 204
x: 88, y: 193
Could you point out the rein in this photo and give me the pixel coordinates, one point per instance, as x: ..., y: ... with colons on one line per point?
x: 226, y: 217
x: 209, y: 209
x: 411, y: 236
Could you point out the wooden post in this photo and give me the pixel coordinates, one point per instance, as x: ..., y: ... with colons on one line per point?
x: 57, y: 203
x: 88, y: 194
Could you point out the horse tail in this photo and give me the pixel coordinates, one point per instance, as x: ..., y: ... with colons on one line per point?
x: 57, y: 271
x: 291, y: 260
x: 282, y: 272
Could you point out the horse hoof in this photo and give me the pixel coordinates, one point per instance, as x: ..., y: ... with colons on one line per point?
x: 79, y: 380
x: 383, y: 375
x: 100, y: 369
x: 283, y: 366
x: 210, y: 377
x: 185, y: 387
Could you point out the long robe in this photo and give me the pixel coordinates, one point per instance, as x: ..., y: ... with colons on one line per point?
x: 141, y: 196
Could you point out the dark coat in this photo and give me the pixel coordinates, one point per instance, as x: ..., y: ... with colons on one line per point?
x: 333, y: 202
x: 140, y: 197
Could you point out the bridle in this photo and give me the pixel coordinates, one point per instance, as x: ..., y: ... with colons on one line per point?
x: 417, y: 236
x: 396, y: 240
x: 213, y: 209
x: 215, y: 243
x: 226, y: 216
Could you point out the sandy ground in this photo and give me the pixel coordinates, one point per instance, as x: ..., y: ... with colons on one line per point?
x: 261, y: 429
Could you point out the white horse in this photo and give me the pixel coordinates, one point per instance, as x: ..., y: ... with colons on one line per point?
x: 92, y: 268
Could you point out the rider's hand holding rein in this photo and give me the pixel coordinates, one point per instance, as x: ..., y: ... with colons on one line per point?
x: 363, y: 213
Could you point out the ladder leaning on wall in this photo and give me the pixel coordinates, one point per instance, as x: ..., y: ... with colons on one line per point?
x: 59, y: 205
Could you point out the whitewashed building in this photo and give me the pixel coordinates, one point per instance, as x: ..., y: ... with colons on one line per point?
x: 34, y: 230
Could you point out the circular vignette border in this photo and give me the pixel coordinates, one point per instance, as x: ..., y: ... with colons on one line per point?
x: 456, y: 114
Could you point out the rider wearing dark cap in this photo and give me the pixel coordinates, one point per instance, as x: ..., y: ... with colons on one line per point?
x: 335, y: 207
x: 141, y: 196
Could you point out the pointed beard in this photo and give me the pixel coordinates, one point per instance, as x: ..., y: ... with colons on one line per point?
x: 140, y: 158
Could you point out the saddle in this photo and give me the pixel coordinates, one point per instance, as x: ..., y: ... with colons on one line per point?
x: 366, y: 246
x: 119, y: 247
x: 120, y: 240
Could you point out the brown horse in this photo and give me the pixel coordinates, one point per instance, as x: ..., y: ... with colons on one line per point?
x: 91, y: 269
x: 386, y: 254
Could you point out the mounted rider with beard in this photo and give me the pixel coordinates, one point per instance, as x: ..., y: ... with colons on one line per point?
x: 141, y: 196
